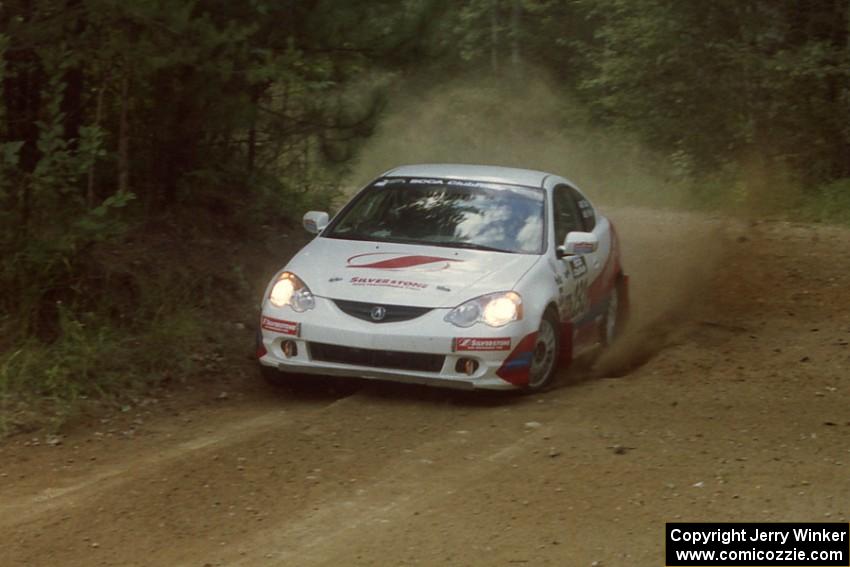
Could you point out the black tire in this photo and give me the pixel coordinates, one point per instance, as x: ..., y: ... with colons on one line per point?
x: 612, y: 324
x: 544, y: 362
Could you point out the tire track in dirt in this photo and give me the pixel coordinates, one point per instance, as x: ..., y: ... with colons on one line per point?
x: 407, y: 483
x: 17, y: 509
x: 235, y: 473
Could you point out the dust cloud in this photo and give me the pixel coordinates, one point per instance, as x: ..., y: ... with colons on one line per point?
x: 531, y: 125
x: 674, y: 261
x: 671, y: 257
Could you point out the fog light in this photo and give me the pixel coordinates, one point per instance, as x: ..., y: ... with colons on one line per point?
x: 466, y: 366
x: 290, y: 349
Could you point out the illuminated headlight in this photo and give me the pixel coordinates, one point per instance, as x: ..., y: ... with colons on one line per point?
x: 288, y: 289
x: 495, y: 309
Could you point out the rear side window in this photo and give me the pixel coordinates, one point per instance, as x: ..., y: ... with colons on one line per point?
x: 588, y: 215
x: 567, y: 214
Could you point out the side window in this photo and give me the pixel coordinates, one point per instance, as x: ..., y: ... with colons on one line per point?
x: 567, y: 217
x: 588, y: 215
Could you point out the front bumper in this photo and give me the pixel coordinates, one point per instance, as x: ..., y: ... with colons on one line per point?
x: 377, y: 349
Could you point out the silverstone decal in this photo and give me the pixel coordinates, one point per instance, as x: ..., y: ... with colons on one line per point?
x: 281, y: 326
x: 395, y: 261
x: 578, y: 266
x: 480, y: 345
x: 387, y: 282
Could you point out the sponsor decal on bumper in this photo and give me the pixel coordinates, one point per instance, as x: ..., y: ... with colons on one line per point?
x: 281, y: 326
x: 481, y: 345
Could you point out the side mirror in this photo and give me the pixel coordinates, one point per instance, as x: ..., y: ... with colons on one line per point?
x: 315, y: 221
x: 578, y: 244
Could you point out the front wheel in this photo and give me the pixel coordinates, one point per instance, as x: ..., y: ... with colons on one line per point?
x: 544, y: 356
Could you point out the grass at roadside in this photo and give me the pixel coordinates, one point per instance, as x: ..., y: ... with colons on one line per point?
x: 163, y: 307
x: 828, y: 204
x: 94, y: 359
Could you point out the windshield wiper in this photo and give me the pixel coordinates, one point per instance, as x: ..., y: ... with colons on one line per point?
x: 367, y: 238
x: 471, y: 246
x: 347, y: 236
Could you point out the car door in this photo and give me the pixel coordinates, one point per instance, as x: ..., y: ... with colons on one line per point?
x: 572, y: 273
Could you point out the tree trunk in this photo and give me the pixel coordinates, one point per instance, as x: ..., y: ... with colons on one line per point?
x: 515, y: 49
x: 75, y: 84
x: 124, y: 137
x: 256, y: 94
x: 98, y: 116
x: 494, y: 36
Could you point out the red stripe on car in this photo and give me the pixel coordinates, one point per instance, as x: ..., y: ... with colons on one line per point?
x: 511, y: 370
x: 398, y: 262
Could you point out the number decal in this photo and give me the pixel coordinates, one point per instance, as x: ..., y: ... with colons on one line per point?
x: 573, y: 303
x: 580, y: 302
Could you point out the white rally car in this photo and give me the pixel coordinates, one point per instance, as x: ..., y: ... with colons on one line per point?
x: 463, y: 276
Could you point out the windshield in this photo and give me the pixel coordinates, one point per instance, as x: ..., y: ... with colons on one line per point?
x: 443, y: 212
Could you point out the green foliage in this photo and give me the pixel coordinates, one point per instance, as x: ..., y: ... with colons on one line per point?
x: 55, y: 226
x: 94, y: 359
x: 828, y: 203
x: 727, y: 83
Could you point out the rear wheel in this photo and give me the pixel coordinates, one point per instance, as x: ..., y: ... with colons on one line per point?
x: 612, y: 324
x: 544, y: 356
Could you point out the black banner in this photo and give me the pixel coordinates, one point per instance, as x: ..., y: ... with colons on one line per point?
x: 759, y: 545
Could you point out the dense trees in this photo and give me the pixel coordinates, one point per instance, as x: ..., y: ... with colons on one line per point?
x: 157, y: 94
x: 164, y: 102
x: 713, y: 85
x: 722, y: 83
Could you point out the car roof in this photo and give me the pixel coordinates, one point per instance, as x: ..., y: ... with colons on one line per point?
x: 491, y: 173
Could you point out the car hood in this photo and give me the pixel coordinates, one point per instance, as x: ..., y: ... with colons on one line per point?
x: 403, y: 274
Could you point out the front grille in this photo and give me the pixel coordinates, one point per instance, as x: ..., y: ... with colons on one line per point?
x: 392, y: 313
x: 398, y: 360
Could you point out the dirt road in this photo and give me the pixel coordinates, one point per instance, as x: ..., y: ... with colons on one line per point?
x: 731, y: 401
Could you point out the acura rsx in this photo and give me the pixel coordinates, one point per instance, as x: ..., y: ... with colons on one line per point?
x: 461, y: 276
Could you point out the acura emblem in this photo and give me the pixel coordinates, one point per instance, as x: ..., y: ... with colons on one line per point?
x: 378, y: 313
